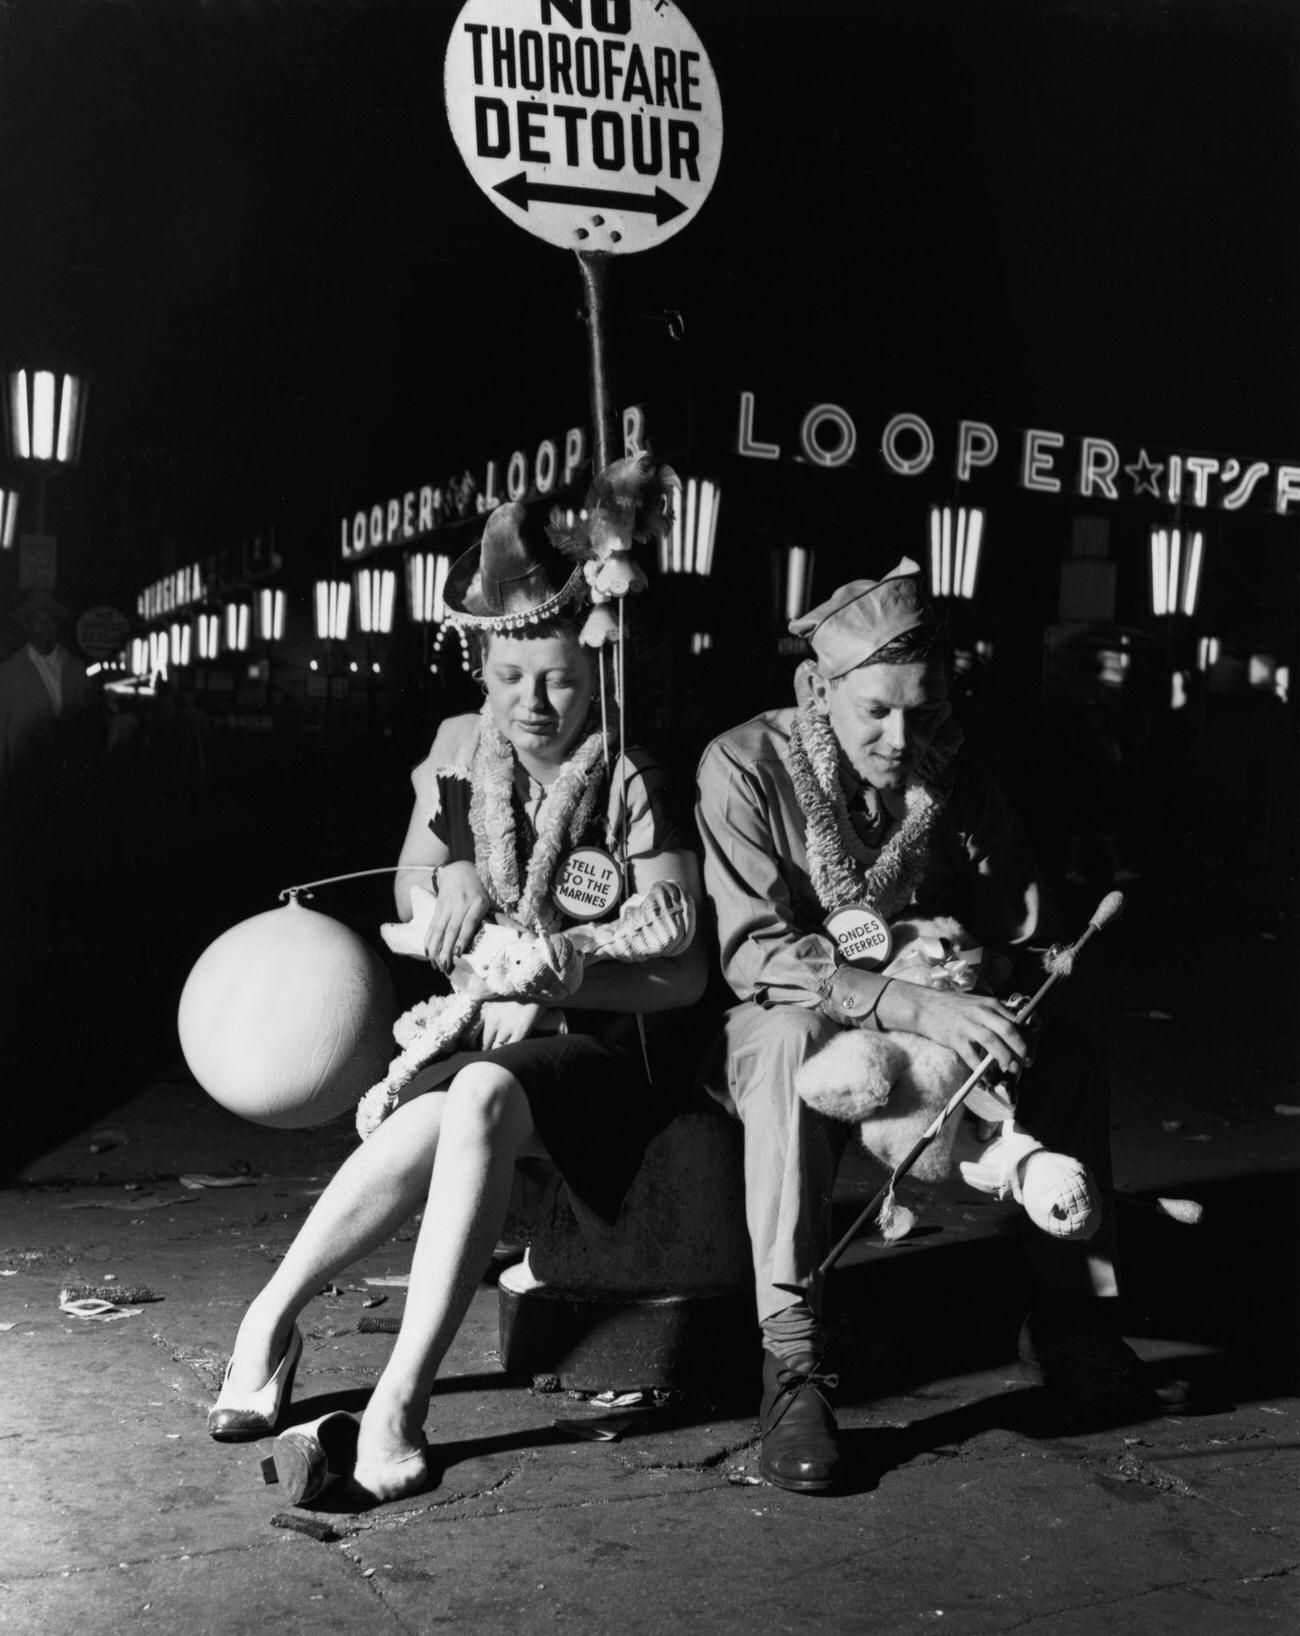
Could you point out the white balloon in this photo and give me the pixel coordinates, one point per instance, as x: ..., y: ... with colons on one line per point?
x: 286, y: 1018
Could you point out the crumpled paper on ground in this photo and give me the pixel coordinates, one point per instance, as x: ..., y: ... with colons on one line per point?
x: 96, y: 1311
x: 196, y: 1181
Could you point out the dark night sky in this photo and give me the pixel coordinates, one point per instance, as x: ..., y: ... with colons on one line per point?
x: 248, y: 220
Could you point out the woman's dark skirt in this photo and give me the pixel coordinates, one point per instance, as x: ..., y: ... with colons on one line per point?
x: 591, y: 1103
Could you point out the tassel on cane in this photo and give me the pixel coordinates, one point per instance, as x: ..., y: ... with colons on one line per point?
x: 1062, y: 966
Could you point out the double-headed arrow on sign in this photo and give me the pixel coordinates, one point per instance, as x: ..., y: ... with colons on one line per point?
x: 522, y: 191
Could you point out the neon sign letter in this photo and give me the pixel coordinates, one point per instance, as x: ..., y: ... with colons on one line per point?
x: 977, y: 445
x: 1036, y: 466
x: 746, y: 443
x: 1098, y: 466
x: 822, y: 414
x: 904, y: 465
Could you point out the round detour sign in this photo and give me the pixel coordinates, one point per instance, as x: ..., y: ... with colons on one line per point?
x: 587, y: 883
x: 861, y: 937
x: 593, y: 124
x: 101, y: 632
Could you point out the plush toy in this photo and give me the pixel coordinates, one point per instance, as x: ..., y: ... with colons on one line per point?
x: 630, y: 502
x: 892, y: 1085
x: 508, y: 962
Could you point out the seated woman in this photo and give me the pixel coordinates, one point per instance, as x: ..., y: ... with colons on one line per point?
x: 502, y: 800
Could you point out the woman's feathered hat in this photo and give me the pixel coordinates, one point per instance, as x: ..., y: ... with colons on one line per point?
x: 513, y: 577
x: 524, y: 571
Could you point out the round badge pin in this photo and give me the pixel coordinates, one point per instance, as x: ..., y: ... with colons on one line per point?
x: 587, y: 884
x: 861, y: 937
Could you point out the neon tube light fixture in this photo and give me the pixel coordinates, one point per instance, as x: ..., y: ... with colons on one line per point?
x: 376, y: 595
x: 333, y: 605
x: 237, y: 621
x: 798, y: 580
x: 426, y: 578
x: 956, y: 539
x: 46, y: 415
x: 270, y: 614
x: 688, y: 549
x: 209, y: 629
x: 8, y: 518
x: 1176, y: 562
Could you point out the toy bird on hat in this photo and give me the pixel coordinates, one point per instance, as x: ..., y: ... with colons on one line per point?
x: 630, y: 502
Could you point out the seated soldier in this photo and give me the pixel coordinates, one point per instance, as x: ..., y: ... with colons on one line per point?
x: 860, y: 795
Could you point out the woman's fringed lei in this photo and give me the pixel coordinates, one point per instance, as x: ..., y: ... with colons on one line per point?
x: 570, y: 805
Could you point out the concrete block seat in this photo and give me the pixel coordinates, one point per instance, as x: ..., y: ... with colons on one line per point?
x: 660, y: 1299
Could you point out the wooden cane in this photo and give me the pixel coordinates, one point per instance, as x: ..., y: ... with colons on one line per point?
x: 1105, y: 912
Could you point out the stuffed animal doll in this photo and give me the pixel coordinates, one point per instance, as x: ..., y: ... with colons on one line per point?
x: 893, y: 1085
x: 509, y: 962
x: 630, y: 502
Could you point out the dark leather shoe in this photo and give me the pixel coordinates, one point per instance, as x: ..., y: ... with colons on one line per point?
x: 1090, y: 1373
x: 800, y: 1437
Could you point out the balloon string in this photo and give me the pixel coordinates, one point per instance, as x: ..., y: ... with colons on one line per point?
x: 621, y: 674
x: 604, y: 705
x: 356, y: 874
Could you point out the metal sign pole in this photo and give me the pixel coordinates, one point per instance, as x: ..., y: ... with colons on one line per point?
x: 594, y: 267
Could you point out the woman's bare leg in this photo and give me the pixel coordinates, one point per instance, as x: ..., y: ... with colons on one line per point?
x: 486, y: 1126
x: 378, y: 1186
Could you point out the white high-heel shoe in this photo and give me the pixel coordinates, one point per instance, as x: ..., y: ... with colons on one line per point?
x: 240, y: 1417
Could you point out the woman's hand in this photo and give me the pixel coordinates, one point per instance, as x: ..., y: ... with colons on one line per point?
x: 461, y: 909
x: 506, y: 1021
x: 972, y: 1025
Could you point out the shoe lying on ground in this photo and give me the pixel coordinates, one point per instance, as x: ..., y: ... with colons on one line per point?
x: 800, y: 1436
x: 307, y: 1457
x: 1089, y: 1373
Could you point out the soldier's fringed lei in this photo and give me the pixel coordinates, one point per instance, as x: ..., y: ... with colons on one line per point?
x: 839, y: 865
x: 570, y: 805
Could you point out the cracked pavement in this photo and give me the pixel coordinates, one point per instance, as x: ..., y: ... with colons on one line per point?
x: 972, y: 1512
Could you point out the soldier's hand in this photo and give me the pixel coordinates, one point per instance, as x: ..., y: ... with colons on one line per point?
x: 972, y: 1025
